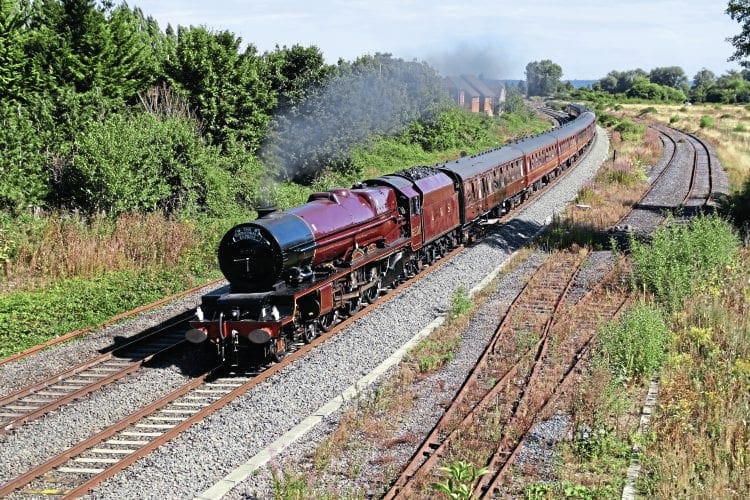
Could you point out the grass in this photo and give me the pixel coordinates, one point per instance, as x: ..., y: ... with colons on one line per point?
x: 65, y: 272
x: 440, y: 347
x: 634, y: 346
x: 699, y: 446
x: 683, y: 259
x: 33, y: 317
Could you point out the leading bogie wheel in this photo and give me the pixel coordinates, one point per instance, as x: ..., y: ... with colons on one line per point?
x: 278, y: 349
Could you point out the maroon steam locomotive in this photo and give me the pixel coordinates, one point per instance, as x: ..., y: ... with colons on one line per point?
x: 293, y: 274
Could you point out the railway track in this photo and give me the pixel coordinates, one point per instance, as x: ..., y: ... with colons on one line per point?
x: 474, y: 407
x: 574, y: 338
x: 700, y: 194
x: 489, y: 420
x: 31, y: 402
x: 691, y: 196
x: 80, y: 468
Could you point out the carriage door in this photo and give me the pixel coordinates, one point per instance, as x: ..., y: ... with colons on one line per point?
x: 415, y: 209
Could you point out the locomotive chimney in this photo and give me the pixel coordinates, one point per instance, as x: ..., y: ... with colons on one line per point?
x: 264, y: 210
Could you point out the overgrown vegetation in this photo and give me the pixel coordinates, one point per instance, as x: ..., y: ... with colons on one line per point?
x: 683, y: 259
x: 635, y: 346
x: 698, y: 446
x: 459, y: 479
x: 107, y: 117
x: 32, y: 317
x: 619, y: 183
x: 440, y: 347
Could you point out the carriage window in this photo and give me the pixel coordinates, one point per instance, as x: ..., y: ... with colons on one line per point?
x: 415, y: 209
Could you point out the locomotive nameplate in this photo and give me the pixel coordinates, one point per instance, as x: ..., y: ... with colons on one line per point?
x: 245, y: 233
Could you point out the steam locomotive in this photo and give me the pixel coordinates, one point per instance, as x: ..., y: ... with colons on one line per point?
x: 294, y: 274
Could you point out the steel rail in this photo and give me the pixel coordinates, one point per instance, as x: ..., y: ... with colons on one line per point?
x: 193, y: 385
x: 434, y: 446
x: 33, y: 401
x: 595, y: 307
x: 82, y: 447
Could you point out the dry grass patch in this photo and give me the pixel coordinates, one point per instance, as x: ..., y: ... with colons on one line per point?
x: 68, y: 245
x: 618, y: 185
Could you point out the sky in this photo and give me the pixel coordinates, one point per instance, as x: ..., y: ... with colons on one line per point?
x: 587, y: 38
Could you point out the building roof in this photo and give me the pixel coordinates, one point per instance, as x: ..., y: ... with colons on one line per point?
x: 459, y: 83
x: 479, y: 85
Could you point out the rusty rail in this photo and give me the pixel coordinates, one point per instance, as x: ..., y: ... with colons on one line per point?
x: 532, y: 310
x: 601, y: 304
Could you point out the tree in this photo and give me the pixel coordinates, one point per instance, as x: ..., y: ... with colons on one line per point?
x: 293, y: 72
x: 23, y: 173
x: 704, y: 78
x: 739, y: 10
x: 617, y: 82
x: 13, y: 15
x: 143, y: 162
x: 702, y: 82
x: 670, y: 76
x: 514, y: 101
x: 644, y: 89
x: 730, y: 88
x: 543, y: 77
x: 224, y: 86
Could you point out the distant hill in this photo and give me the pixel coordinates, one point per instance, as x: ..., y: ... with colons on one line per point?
x: 576, y: 83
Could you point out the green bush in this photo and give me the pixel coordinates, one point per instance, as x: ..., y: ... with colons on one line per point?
x: 644, y: 89
x: 635, y: 345
x: 706, y: 121
x: 132, y: 162
x: 673, y: 119
x: 451, y: 128
x: 740, y: 127
x: 461, y: 303
x: 681, y: 258
x: 631, y: 131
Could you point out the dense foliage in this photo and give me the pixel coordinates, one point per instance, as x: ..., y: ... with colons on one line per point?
x: 670, y: 84
x: 739, y: 10
x: 101, y: 110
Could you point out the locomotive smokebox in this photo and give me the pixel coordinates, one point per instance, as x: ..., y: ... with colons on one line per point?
x: 255, y: 255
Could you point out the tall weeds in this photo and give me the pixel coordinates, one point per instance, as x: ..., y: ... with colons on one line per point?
x: 700, y: 447
x: 65, y: 246
x: 682, y: 259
